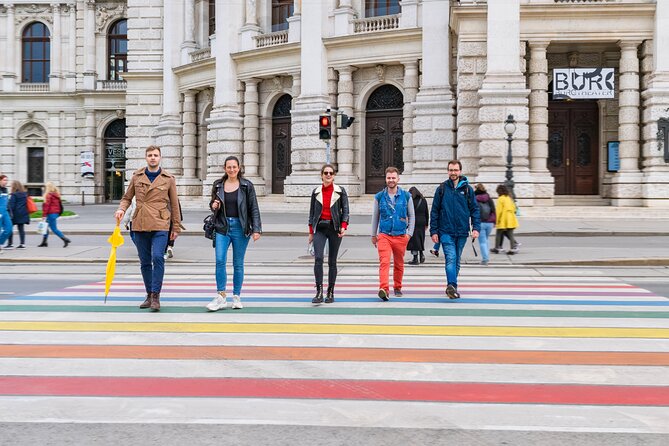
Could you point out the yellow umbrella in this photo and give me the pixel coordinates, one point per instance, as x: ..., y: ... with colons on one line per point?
x: 115, y: 240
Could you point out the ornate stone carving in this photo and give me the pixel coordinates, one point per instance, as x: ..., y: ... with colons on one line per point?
x: 107, y: 13
x: 277, y: 84
x: 32, y: 12
x: 381, y: 72
x: 31, y: 132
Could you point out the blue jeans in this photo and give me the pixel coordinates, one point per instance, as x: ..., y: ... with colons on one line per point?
x: 150, y: 247
x: 239, y: 241
x: 452, y: 247
x: 6, y: 227
x: 51, y: 220
x: 486, y: 230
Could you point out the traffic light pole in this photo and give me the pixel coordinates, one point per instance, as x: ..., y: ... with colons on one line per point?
x: 327, y: 152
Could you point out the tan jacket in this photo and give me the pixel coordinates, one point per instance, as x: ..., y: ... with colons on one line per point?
x: 157, y: 202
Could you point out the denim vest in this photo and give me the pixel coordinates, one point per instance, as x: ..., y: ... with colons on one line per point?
x: 393, y: 219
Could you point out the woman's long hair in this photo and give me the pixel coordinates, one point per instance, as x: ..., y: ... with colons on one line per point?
x: 415, y: 193
x: 17, y: 186
x: 51, y: 188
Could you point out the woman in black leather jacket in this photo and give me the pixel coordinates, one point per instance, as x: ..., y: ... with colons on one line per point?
x: 233, y: 201
x: 328, y: 221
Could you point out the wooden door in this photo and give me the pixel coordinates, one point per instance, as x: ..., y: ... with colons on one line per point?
x: 384, y: 147
x: 573, y: 147
x: 281, y: 165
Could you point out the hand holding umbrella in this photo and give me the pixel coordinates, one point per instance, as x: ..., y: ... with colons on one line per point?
x: 115, y: 240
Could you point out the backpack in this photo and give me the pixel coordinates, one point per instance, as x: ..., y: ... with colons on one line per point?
x: 485, y: 210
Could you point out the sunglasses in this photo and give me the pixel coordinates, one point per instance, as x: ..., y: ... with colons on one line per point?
x: 328, y: 173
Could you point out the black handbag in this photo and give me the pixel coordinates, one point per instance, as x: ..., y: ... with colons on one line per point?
x: 209, y: 226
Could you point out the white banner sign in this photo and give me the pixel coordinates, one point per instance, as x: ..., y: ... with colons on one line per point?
x: 583, y: 83
x: 86, y: 160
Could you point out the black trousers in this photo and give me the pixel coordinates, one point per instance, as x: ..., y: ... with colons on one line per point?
x: 499, y: 238
x: 22, y: 235
x: 320, y: 237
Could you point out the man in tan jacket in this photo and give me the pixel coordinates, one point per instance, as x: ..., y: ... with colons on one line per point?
x: 157, y: 205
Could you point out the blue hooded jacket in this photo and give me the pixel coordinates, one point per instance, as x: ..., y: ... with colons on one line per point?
x: 454, y: 209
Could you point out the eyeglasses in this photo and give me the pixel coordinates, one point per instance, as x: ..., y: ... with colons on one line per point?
x: 328, y: 173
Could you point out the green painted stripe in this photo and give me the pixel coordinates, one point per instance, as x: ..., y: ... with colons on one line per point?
x: 353, y: 311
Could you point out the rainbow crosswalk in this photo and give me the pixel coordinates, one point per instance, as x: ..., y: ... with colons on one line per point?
x: 518, y: 351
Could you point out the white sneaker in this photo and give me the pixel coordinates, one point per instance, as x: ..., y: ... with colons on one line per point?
x: 219, y: 302
x: 237, y: 303
x: 170, y: 252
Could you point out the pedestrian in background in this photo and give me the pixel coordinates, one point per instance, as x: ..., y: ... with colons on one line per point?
x: 393, y: 220
x: 488, y: 219
x: 454, y: 213
x: 5, y: 218
x: 234, y: 202
x: 506, y: 221
x: 417, y: 241
x: 52, y: 207
x: 18, y: 209
x: 328, y: 222
x: 155, y: 191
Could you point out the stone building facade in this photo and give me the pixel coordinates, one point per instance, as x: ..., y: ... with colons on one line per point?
x: 426, y: 80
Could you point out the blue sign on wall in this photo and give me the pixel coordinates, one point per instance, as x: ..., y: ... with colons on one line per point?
x: 613, y: 152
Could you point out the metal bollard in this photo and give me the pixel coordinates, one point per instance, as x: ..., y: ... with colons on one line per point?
x: 83, y: 201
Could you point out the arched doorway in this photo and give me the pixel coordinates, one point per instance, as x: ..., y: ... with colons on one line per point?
x: 383, y: 139
x: 114, y: 152
x: 281, y: 165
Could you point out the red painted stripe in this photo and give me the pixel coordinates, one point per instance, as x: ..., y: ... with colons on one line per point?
x: 337, y: 389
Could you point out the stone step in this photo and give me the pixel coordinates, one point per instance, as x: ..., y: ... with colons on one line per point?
x: 580, y: 200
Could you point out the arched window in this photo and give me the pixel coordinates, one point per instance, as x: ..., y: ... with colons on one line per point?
x: 281, y: 10
x: 375, y: 8
x: 117, y: 50
x: 36, y: 51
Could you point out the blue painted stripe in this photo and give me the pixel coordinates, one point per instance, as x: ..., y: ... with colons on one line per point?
x: 628, y: 302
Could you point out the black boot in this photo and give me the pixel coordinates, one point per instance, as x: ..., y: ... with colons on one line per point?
x: 414, y: 261
x: 329, y: 298
x: 318, y: 298
x: 422, y: 257
x: 66, y: 241
x: 43, y: 244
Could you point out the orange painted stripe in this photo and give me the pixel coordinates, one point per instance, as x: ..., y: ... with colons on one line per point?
x: 266, y: 353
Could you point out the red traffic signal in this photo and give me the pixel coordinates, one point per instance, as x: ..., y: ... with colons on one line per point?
x: 324, y: 127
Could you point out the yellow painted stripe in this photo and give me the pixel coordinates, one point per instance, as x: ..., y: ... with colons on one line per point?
x: 425, y: 330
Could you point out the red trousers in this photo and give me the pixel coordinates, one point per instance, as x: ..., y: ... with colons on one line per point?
x: 395, y: 245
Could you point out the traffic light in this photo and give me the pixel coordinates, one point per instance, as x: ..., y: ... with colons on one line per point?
x: 324, y: 127
x: 344, y: 121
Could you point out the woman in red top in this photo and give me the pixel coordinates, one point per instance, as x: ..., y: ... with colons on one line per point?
x: 51, y: 210
x: 328, y: 221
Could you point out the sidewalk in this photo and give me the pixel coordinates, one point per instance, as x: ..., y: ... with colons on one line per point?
x: 566, y: 241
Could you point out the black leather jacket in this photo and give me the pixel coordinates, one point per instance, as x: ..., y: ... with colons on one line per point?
x: 338, y: 206
x: 249, y: 213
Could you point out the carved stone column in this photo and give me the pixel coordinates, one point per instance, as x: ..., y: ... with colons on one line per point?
x: 90, y: 75
x: 9, y: 78
x: 544, y: 185
x: 344, y: 16
x: 626, y: 184
x: 88, y: 184
x: 225, y: 124
x: 250, y: 28
x: 346, y: 174
x: 252, y: 135
x: 410, y: 93
x: 504, y: 93
x: 295, y: 23
x: 71, y: 72
x: 56, y: 57
x: 434, y: 121
x: 168, y: 132
x: 656, y: 106
x: 307, y: 151
x: 188, y: 43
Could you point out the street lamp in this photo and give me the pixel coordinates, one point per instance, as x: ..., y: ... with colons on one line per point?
x: 509, y: 128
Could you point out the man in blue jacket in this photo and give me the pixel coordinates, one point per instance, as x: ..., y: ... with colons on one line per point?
x: 6, y: 225
x: 454, y: 211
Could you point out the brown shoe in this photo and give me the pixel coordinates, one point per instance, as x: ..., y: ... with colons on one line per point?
x: 155, y: 302
x: 147, y: 301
